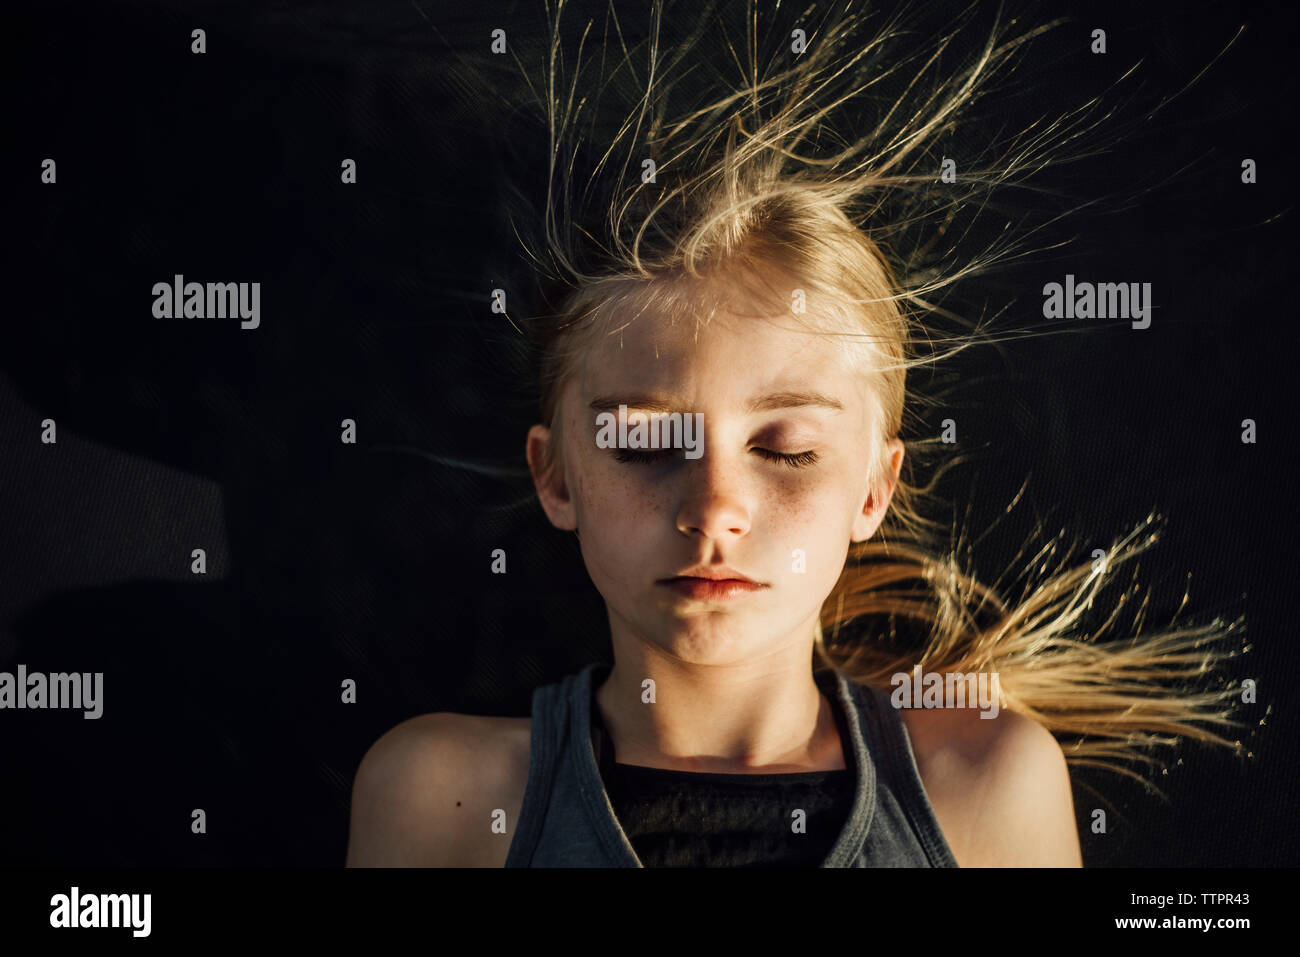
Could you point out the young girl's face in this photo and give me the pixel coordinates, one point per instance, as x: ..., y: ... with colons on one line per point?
x: 764, y: 392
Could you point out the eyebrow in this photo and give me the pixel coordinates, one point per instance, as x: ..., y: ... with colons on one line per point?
x: 766, y: 403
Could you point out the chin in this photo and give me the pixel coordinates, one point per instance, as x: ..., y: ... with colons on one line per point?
x: 710, y: 639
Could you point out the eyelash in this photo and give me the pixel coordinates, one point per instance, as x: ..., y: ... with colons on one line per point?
x: 796, y: 460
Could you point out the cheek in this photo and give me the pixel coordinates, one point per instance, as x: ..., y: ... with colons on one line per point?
x: 620, y: 531
x: 618, y: 506
x: 812, y: 515
x: 614, y: 502
x: 793, y: 500
x: 812, y: 504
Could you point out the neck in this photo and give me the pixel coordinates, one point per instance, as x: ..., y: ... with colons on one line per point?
x: 760, y: 716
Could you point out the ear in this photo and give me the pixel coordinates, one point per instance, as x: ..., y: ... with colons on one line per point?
x: 877, y: 499
x: 552, y: 489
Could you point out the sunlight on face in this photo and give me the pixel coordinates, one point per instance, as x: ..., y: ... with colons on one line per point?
x: 740, y: 504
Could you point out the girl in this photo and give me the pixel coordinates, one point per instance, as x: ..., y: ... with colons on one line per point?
x: 800, y: 677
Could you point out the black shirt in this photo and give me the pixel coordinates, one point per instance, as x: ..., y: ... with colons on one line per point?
x: 706, y: 819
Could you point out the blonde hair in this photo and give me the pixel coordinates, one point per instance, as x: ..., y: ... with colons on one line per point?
x: 759, y: 178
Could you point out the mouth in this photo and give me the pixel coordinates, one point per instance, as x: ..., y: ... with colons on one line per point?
x: 711, y: 589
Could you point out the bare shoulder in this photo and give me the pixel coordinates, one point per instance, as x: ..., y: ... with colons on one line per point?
x: 999, y: 786
x: 440, y: 790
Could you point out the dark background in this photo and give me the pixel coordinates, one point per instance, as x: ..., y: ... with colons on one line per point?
x: 372, y: 562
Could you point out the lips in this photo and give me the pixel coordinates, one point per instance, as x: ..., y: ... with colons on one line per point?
x: 712, y: 583
x: 712, y: 573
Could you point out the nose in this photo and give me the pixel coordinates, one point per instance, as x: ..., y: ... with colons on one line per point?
x: 713, y: 503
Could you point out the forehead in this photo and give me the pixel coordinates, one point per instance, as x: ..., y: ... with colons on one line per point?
x: 724, y: 360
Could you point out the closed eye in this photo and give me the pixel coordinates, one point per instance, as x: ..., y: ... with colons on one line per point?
x: 637, y: 455
x: 795, y: 460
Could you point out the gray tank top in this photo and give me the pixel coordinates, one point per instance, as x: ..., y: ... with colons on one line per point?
x: 567, y: 820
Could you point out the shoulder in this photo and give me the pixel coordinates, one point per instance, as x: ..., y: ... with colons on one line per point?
x: 429, y: 791
x: 1000, y: 787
